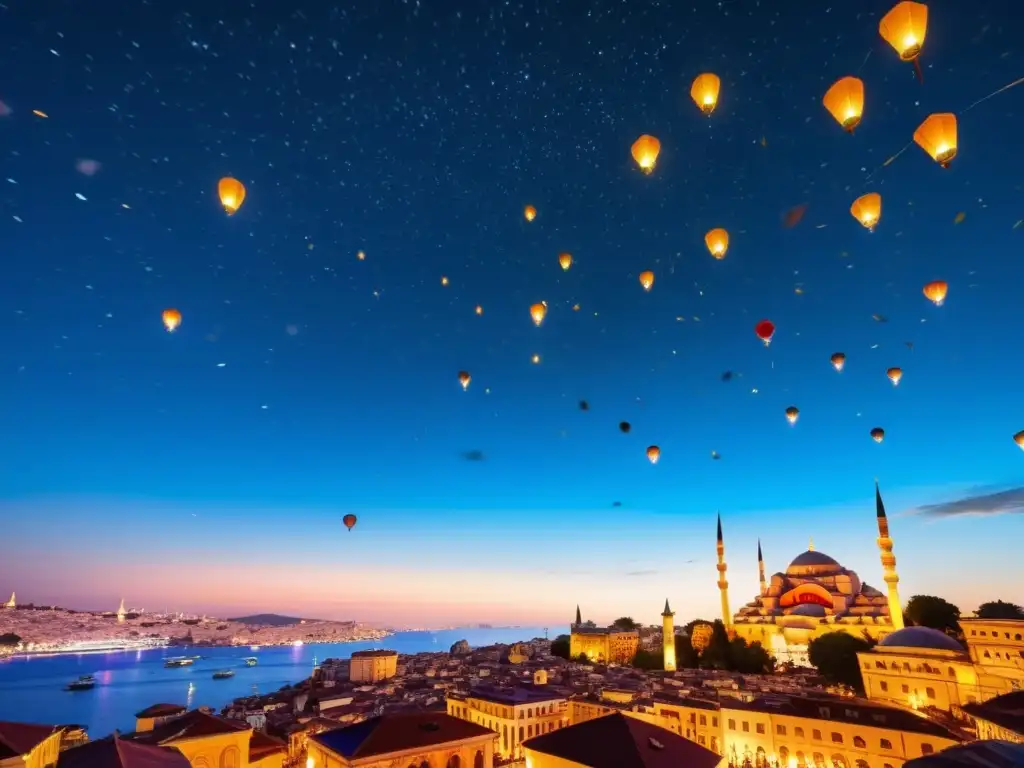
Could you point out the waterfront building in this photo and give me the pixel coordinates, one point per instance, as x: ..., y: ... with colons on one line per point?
x: 121, y: 612
x: 513, y: 714
x: 12, y: 603
x: 371, y: 666
x: 668, y: 638
x: 919, y: 667
x: 417, y: 739
x: 616, y: 741
x: 26, y: 745
x: 999, y: 718
x: 115, y: 752
x: 815, y: 595
x: 157, y: 714
x: 604, y: 645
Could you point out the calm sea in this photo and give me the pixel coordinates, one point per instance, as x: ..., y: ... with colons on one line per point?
x: 32, y: 689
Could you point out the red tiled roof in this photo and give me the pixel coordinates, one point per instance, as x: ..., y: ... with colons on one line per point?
x: 161, y: 710
x: 397, y: 732
x: 191, y: 725
x: 114, y: 752
x: 261, y: 745
x: 18, y: 739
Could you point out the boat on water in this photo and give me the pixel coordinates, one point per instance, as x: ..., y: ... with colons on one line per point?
x: 250, y: 661
x: 84, y: 683
x: 223, y: 674
x: 179, y: 661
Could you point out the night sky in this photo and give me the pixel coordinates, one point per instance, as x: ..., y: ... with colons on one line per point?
x: 209, y: 468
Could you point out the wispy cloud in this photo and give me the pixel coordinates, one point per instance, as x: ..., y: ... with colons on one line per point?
x: 641, y: 573
x: 1010, y: 501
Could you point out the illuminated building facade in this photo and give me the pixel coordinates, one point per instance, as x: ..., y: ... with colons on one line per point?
x: 371, y: 666
x: 603, y: 645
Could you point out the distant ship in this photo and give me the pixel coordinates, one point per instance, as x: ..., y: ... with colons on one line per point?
x: 250, y: 661
x: 223, y: 674
x: 179, y: 661
x: 84, y: 683
x: 254, y: 647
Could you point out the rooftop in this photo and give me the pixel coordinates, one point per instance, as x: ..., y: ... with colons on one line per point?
x: 17, y: 739
x: 370, y: 654
x: 520, y: 694
x: 977, y: 754
x: 114, y: 752
x: 398, y: 732
x: 190, y: 725
x: 1006, y: 711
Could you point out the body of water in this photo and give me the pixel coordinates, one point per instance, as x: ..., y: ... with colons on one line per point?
x: 32, y: 688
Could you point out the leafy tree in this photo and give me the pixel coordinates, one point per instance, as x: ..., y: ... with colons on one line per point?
x: 9, y: 638
x: 583, y: 659
x: 835, y: 657
x: 998, y: 609
x: 560, y: 647
x: 625, y: 623
x: 735, y: 655
x: 686, y: 657
x: 588, y: 624
x: 934, y: 612
x: 648, y: 660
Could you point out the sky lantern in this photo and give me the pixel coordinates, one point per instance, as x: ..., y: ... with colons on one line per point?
x: 479, y: 309
x: 704, y: 92
x: 653, y: 454
x: 845, y: 101
x: 765, y: 330
x: 792, y: 414
x: 647, y: 279
x: 1019, y: 439
x: 936, y: 291
x: 894, y: 374
x: 838, y: 361
x: 349, y: 521
x: 529, y: 213
x: 904, y: 28
x: 172, y: 319
x: 537, y: 312
x: 464, y: 379
x: 867, y: 209
x: 565, y: 261
x: 645, y: 151
x: 937, y: 136
x: 717, y: 241
x: 878, y: 434
x: 232, y: 194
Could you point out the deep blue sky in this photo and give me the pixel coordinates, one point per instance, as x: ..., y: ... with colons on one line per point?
x: 304, y: 383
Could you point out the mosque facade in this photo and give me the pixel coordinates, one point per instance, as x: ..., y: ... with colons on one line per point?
x: 815, y: 595
x: 605, y: 645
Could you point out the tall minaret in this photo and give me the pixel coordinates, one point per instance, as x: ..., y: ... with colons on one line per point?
x: 121, y: 612
x: 668, y: 638
x: 888, y: 562
x: 12, y: 603
x: 723, y: 585
x: 579, y: 619
x: 760, y: 569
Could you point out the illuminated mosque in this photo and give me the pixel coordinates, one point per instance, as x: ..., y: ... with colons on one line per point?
x: 814, y: 596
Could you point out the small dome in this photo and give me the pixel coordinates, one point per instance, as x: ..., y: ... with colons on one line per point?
x: 921, y: 637
x: 814, y: 559
x: 809, y: 609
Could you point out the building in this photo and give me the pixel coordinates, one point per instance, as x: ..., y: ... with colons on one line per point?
x: 616, y: 741
x: 605, y: 645
x: 26, y: 745
x: 815, y: 595
x: 371, y: 666
x: 514, y: 714
x: 121, y: 612
x: 12, y: 603
x: 115, y: 752
x: 918, y: 667
x: 999, y: 718
x: 409, y: 740
x: 156, y: 715
x: 668, y: 638
x: 977, y: 754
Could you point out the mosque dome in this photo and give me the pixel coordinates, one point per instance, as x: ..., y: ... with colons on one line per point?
x: 921, y: 637
x: 812, y: 562
x: 809, y: 609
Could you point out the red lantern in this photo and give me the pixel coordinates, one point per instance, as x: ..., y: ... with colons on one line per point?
x: 765, y: 330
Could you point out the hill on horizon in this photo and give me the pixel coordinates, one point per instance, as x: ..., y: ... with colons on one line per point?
x: 268, y: 620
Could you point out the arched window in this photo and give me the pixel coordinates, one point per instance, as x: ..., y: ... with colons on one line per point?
x: 504, y: 739
x: 838, y: 761
x: 229, y: 758
x: 819, y: 760
x: 885, y: 744
x: 478, y: 760
x: 952, y: 672
x: 801, y: 760
x: 521, y: 732
x: 859, y: 742
x: 454, y: 762
x: 863, y: 764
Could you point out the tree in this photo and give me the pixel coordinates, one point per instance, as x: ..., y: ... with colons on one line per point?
x: 835, y: 657
x: 933, y: 612
x: 583, y: 659
x: 626, y: 623
x: 686, y: 657
x: 648, y: 660
x: 998, y: 609
x: 560, y: 647
x: 9, y: 638
x: 749, y: 658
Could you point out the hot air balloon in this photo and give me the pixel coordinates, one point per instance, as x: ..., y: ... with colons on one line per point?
x: 878, y: 434
x: 936, y: 291
x: 937, y: 136
x: 172, y: 319
x: 765, y: 330
x: 232, y: 193
x: 464, y: 379
x: 894, y: 374
x: 537, y: 312
x: 845, y: 101
x: 349, y: 521
x: 565, y: 260
x: 704, y: 92
x: 645, y: 152
x: 529, y: 213
x: 904, y: 28
x: 792, y: 414
x: 624, y: 427
x: 717, y: 241
x: 867, y: 209
x: 654, y: 453
x: 838, y: 361
x: 1019, y: 439
x: 647, y: 279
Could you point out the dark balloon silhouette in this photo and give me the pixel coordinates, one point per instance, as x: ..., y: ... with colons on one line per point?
x: 727, y: 376
x: 616, y: 503
x: 624, y: 427
x: 793, y: 216
x: 474, y: 455
x: 584, y: 405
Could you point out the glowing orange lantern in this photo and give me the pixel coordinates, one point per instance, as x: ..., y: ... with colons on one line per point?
x: 464, y: 379
x: 565, y: 261
x: 529, y: 213
x: 537, y: 312
x: 645, y: 152
x: 172, y: 319
x: 894, y: 374
x: 704, y: 92
x: 937, y: 136
x: 232, y: 194
x: 653, y: 454
x: 867, y: 209
x: 838, y: 361
x: 878, y: 434
x: 1019, y: 439
x: 904, y: 28
x: 845, y: 101
x: 792, y: 414
x: 717, y: 241
x: 936, y: 291
x: 647, y: 279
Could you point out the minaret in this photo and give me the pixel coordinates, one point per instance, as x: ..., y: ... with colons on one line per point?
x: 668, y: 638
x: 888, y: 562
x: 760, y: 569
x: 121, y: 612
x: 579, y: 619
x: 12, y: 603
x: 723, y: 585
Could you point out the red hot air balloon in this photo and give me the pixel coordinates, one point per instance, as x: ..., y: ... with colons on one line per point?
x: 765, y: 330
x: 349, y: 521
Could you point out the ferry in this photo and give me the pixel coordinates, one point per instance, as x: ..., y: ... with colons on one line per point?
x: 179, y: 661
x: 223, y: 674
x: 84, y: 683
x: 250, y: 661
